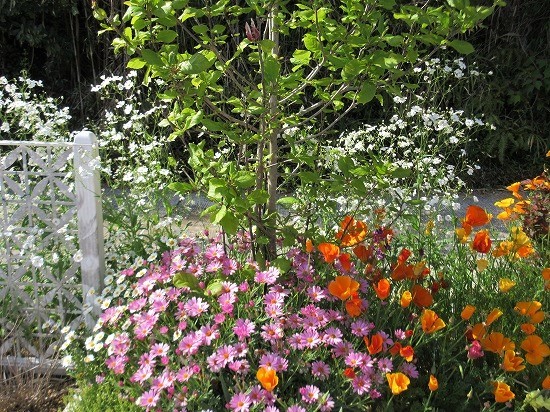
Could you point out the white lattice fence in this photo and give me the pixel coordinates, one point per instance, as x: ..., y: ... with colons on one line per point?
x: 51, y: 242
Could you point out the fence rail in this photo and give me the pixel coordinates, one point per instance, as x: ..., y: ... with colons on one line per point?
x: 51, y: 242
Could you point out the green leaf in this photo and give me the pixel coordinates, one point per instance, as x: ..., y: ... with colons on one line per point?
x: 167, y: 36
x: 152, y: 58
x: 271, y: 68
x: 400, y: 173
x: 387, y: 4
x: 136, y: 63
x: 282, y: 264
x: 99, y: 14
x: 301, y: 57
x: 462, y: 46
x: 186, y: 280
x: 352, y: 69
x: 220, y: 215
x: 198, y: 63
x: 230, y: 223
x: 367, y: 92
x: 311, y: 43
x: 215, y: 188
x: 214, y: 288
x: 181, y: 187
x: 244, y: 179
x: 287, y: 201
x: 258, y: 197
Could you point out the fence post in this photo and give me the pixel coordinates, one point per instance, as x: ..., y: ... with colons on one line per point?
x: 90, y: 220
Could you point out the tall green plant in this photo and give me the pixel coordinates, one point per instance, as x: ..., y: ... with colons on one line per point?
x: 230, y: 71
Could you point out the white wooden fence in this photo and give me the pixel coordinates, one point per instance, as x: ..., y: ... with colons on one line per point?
x: 51, y: 242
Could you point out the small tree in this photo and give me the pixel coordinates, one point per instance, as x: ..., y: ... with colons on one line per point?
x: 247, y: 72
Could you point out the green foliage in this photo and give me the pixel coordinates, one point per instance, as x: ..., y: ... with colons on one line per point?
x: 245, y: 91
x: 99, y: 398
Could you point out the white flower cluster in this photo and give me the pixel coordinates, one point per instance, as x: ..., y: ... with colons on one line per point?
x: 27, y: 114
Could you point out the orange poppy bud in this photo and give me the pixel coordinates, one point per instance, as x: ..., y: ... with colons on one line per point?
x: 528, y: 328
x: 546, y: 381
x: 421, y: 296
x: 398, y: 382
x: 433, y: 385
x: 330, y: 252
x: 268, y: 378
x: 494, y: 315
x: 382, y: 288
x: 406, y: 299
x: 309, y: 246
x: 467, y: 312
x: 407, y: 353
x: 431, y: 322
x: 502, y: 392
x: 376, y: 344
x: 345, y: 261
x: 546, y: 277
x: 343, y: 287
x: 481, y: 242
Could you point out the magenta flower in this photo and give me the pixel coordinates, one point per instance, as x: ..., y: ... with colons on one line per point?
x: 240, y: 402
x: 243, y: 328
x: 310, y: 393
x: 475, y: 351
x: 320, y: 370
x: 148, y: 399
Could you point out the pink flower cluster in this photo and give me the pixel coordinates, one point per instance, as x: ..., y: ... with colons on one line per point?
x: 199, y: 347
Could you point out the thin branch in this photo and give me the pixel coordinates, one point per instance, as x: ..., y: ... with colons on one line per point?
x: 227, y: 116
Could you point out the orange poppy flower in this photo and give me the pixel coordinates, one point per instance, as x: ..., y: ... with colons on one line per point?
x: 502, y: 392
x: 309, y: 246
x: 330, y: 252
x: 505, y: 284
x: 514, y: 188
x: 375, y: 344
x: 354, y: 306
x: 406, y: 299
x: 528, y: 328
x: 475, y: 217
x: 433, y: 385
x: 363, y: 253
x: 431, y: 322
x: 478, y: 331
x: 407, y: 353
x: 343, y: 287
x: 402, y: 271
x: 395, y: 349
x: 382, y: 288
x: 511, y: 362
x: 536, y: 350
x: 496, y: 342
x: 481, y: 265
x: 398, y: 382
x: 546, y: 381
x: 481, y: 242
x: 494, y: 315
x: 349, y: 373
x: 462, y: 234
x: 345, y: 261
x: 268, y: 378
x: 467, y: 312
x: 421, y: 296
x: 531, y: 310
x: 351, y: 232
